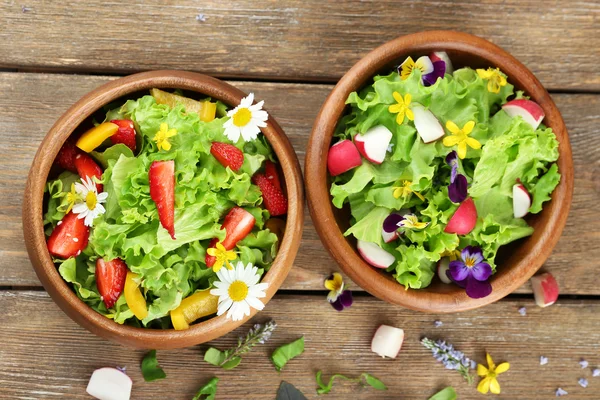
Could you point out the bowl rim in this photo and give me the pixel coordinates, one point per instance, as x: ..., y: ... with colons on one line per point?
x: 523, y: 263
x: 32, y: 213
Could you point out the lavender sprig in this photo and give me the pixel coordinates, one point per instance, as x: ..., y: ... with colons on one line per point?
x: 450, y: 357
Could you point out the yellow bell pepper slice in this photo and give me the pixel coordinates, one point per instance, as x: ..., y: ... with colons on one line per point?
x: 133, y: 296
x: 205, y: 109
x: 95, y: 136
x: 198, y: 305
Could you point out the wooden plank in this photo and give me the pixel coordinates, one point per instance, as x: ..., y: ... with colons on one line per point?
x: 32, y: 102
x: 291, y: 39
x: 46, y: 355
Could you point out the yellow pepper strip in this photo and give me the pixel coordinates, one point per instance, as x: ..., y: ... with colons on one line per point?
x: 198, y: 305
x: 205, y: 109
x: 95, y: 136
x: 133, y: 296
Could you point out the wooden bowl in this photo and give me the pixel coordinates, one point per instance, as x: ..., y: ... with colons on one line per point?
x: 35, y: 240
x: 520, y: 261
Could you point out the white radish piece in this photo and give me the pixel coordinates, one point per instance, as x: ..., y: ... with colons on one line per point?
x: 521, y: 201
x: 374, y: 255
x: 545, y: 289
x: 442, y: 266
x: 442, y: 56
x: 389, y: 236
x: 529, y: 110
x: 342, y: 157
x: 373, y: 145
x: 109, y: 384
x: 387, y: 341
x: 428, y: 126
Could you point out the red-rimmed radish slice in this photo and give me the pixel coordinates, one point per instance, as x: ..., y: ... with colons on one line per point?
x: 109, y: 384
x: 374, y: 143
x: 342, y: 157
x: 521, y: 201
x: 428, y: 126
x: 387, y: 341
x: 442, y: 56
x: 529, y: 110
x: 442, y: 266
x: 464, y: 219
x: 545, y: 289
x: 374, y: 255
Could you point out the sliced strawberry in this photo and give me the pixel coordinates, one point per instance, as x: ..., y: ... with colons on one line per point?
x: 69, y: 238
x: 228, y: 155
x: 238, y: 224
x: 272, y: 174
x: 125, y: 134
x: 273, y: 198
x: 162, y: 191
x: 208, y: 259
x: 87, y: 167
x: 110, y: 279
x: 66, y: 156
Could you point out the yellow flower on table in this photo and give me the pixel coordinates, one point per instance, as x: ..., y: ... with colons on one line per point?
x: 401, y: 107
x: 460, y: 138
x: 494, y: 77
x: 222, y: 255
x: 162, y: 137
x: 489, y: 383
x: 405, y: 190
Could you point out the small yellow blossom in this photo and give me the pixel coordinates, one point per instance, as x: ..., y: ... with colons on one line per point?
x: 494, y: 77
x: 72, y: 198
x: 162, y: 137
x: 412, y: 222
x: 405, y: 191
x: 489, y: 374
x: 335, y: 285
x: 222, y: 255
x: 460, y: 137
x: 401, y: 107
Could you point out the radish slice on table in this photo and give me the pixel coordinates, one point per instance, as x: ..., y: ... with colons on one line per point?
x: 109, y: 384
x: 374, y: 255
x: 545, y: 289
x: 442, y: 266
x: 387, y: 341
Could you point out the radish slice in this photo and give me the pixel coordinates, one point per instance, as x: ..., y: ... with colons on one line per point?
x: 387, y: 341
x: 442, y: 266
x: 109, y: 384
x: 521, y: 201
x: 442, y: 56
x: 374, y: 255
x: 427, y: 125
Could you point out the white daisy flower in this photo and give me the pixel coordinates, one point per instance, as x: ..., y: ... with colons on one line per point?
x: 238, y: 290
x: 245, y: 120
x: 90, y: 201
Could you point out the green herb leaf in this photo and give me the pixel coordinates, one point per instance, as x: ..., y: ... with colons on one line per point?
x: 232, y: 363
x: 285, y: 353
x: 445, y: 394
x: 374, y: 382
x: 214, y: 356
x: 369, y: 380
x: 287, y: 391
x: 150, y: 368
x: 209, y: 390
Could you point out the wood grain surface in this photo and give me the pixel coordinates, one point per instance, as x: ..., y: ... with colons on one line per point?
x: 292, y: 39
x: 32, y: 102
x: 46, y: 355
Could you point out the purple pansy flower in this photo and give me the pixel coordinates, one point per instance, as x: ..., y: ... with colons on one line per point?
x: 471, y: 272
x: 344, y: 300
x: 390, y: 223
x: 439, y: 69
x: 338, y: 297
x: 457, y: 190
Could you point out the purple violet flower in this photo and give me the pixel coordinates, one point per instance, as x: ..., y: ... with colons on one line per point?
x: 583, y: 363
x: 344, y: 300
x: 523, y: 311
x: 596, y: 372
x: 561, y: 392
x: 471, y: 272
x: 583, y: 382
x: 452, y: 161
x: 390, y: 223
x: 457, y: 190
x: 439, y: 69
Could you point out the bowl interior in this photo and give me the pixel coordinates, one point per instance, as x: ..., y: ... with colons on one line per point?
x: 516, y: 261
x: 78, y: 117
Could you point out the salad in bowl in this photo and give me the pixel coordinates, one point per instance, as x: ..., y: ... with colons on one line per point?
x: 168, y: 210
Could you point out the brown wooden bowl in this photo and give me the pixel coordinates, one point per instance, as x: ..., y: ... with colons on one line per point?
x: 33, y: 228
x: 519, y: 261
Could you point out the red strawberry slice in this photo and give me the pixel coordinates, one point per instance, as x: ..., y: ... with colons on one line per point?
x: 110, y: 279
x: 228, y: 155
x: 125, y: 134
x: 273, y: 198
x: 87, y: 167
x: 69, y: 238
x: 162, y: 191
x: 66, y: 156
x: 208, y: 259
x: 272, y: 174
x: 238, y: 224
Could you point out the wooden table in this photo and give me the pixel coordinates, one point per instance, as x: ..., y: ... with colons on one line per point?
x: 290, y: 53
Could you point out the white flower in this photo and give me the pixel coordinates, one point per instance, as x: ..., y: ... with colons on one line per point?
x: 238, y: 290
x: 89, y: 204
x: 245, y: 120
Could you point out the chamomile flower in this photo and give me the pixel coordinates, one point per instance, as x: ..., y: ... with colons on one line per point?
x: 89, y: 205
x: 245, y: 120
x: 238, y: 290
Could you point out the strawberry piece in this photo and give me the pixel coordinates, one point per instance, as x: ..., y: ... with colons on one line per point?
x: 125, y: 134
x: 272, y: 174
x: 273, y: 198
x: 228, y: 155
x: 110, y: 279
x: 87, y: 167
x: 66, y: 156
x: 238, y: 223
x: 162, y: 191
x: 69, y: 238
x: 208, y: 259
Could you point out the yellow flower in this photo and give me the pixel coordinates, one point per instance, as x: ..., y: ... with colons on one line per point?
x: 162, y: 137
x: 72, y: 197
x: 489, y: 381
x: 335, y: 285
x: 451, y: 254
x: 461, y: 138
x: 405, y: 191
x: 411, y: 221
x: 409, y: 65
x: 222, y: 255
x: 494, y: 77
x: 401, y: 107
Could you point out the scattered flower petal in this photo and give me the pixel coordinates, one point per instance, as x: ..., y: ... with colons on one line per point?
x: 523, y: 311
x: 561, y: 392
x: 596, y: 372
x: 390, y: 148
x: 583, y: 363
x: 201, y: 18
x: 583, y: 382
x: 438, y: 323
x: 543, y: 360
x: 122, y: 369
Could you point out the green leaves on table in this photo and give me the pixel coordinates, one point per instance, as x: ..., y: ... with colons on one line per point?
x: 369, y: 380
x: 285, y: 353
x: 224, y: 359
x: 445, y: 394
x: 287, y: 391
x: 209, y: 390
x: 150, y: 368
